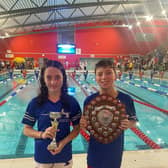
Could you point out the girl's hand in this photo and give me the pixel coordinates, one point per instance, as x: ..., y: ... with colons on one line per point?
x: 49, y: 133
x: 58, y: 149
x: 83, y: 122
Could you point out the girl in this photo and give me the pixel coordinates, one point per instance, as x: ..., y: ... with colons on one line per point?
x: 53, y: 97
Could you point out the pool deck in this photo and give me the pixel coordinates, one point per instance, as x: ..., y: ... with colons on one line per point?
x: 131, y: 159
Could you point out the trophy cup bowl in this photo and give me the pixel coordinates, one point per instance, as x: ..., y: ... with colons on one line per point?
x: 54, y: 116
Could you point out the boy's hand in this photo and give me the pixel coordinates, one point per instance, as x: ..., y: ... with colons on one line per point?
x: 83, y: 123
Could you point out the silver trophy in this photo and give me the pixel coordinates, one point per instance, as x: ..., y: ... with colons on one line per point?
x: 54, y: 116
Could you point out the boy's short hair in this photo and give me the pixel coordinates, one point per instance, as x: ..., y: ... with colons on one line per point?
x: 104, y: 63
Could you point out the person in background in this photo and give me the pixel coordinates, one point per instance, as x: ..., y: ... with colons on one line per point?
x: 161, y: 71
x: 141, y: 73
x: 161, y: 75
x: 2, y: 64
x: 35, y: 65
x: 130, y: 65
x: 24, y: 73
x: 36, y: 73
x: 9, y: 70
x: 53, y: 97
x: 119, y: 74
x: 74, y: 74
x: 130, y: 73
x: 10, y: 73
x: 152, y: 72
x: 85, y: 73
x: 108, y: 155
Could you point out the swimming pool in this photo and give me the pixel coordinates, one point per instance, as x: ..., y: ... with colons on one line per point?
x: 14, y: 144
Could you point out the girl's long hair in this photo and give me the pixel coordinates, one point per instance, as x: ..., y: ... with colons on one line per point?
x: 43, y: 95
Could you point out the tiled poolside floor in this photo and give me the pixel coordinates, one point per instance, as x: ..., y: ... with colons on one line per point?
x: 131, y: 159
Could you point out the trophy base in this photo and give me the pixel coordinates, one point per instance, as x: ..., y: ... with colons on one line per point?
x: 52, y: 146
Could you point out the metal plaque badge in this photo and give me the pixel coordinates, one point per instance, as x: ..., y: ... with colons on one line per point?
x: 103, y: 115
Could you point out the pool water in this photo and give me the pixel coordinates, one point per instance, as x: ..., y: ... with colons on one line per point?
x: 14, y: 144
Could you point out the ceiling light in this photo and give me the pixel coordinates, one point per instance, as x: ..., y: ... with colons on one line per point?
x: 163, y: 12
x: 149, y: 18
x: 138, y: 23
x: 6, y: 34
x: 2, y: 37
x: 130, y: 26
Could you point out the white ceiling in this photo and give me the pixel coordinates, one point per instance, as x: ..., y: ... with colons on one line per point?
x: 19, y: 17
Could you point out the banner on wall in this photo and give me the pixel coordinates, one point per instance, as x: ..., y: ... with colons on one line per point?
x: 92, y: 55
x: 9, y: 55
x: 61, y: 56
x: 78, y: 51
x: 135, y: 55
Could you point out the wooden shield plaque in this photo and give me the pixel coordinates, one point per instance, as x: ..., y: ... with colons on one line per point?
x: 103, y: 115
